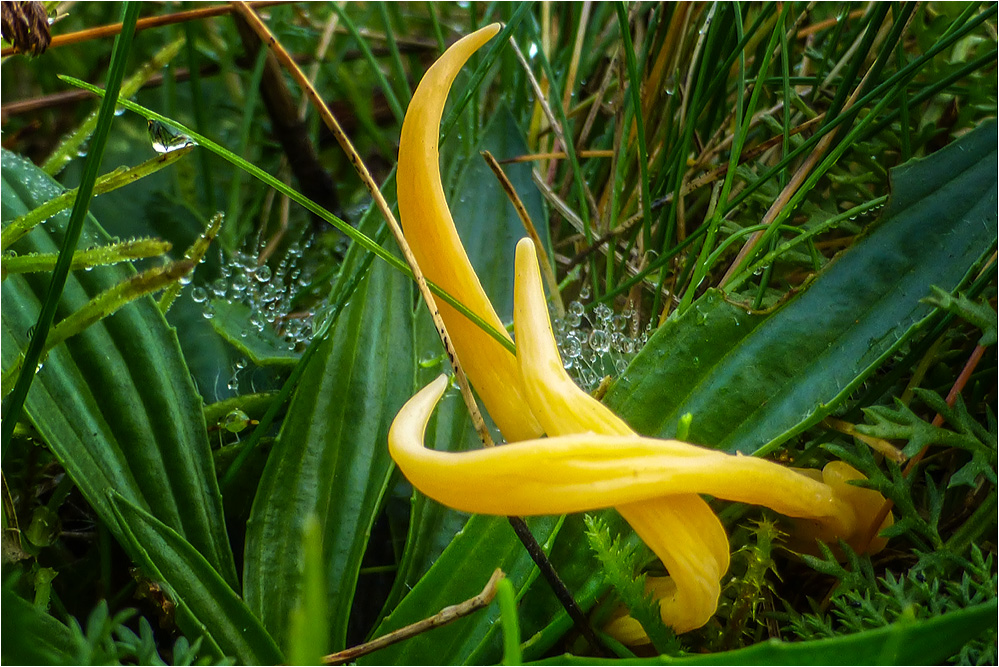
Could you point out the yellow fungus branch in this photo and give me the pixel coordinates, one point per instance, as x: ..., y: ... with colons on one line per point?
x: 430, y: 231
x: 591, y: 459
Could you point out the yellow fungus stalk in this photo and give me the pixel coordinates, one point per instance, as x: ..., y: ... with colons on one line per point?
x: 591, y: 459
x: 427, y: 224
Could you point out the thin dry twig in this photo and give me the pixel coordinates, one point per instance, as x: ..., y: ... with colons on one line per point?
x: 555, y: 155
x: 828, y: 23
x: 325, y: 42
x: 525, y: 218
x: 879, y: 445
x: 556, y: 127
x: 441, y: 618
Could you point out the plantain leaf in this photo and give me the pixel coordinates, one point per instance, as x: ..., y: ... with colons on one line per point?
x: 208, y: 606
x: 115, y: 403
x: 752, y: 381
x: 331, y: 458
x: 928, y: 642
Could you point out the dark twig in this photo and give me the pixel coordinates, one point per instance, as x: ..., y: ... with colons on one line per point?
x: 556, y: 583
x: 288, y: 128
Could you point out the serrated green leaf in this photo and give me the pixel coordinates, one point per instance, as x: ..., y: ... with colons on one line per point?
x: 115, y: 403
x: 620, y: 566
x: 543, y: 620
x: 977, y: 313
x: 331, y: 457
x: 753, y: 380
x: 215, y: 610
x: 928, y: 642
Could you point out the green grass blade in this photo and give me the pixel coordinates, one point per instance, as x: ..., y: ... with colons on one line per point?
x: 110, y: 181
x: 362, y: 44
x: 634, y: 88
x: 784, y: 371
x: 71, y: 146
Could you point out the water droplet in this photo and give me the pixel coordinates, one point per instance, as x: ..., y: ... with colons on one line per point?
x: 572, y: 348
x: 599, y: 341
x: 263, y: 274
x: 199, y: 295
x: 603, y: 313
x: 165, y: 139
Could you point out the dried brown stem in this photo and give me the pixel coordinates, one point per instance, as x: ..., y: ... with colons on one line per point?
x: 554, y: 155
x: 288, y: 128
x: 525, y: 218
x: 441, y: 618
x: 828, y: 23
x: 959, y: 383
x: 879, y: 445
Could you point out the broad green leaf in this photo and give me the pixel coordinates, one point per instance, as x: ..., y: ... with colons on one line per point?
x: 214, y: 609
x: 928, y: 642
x: 753, y: 380
x: 331, y: 458
x: 115, y: 403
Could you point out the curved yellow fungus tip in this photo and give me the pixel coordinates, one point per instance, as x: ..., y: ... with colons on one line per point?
x: 591, y: 459
x: 429, y: 229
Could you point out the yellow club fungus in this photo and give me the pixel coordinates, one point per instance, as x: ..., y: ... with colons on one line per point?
x: 591, y: 459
